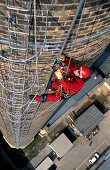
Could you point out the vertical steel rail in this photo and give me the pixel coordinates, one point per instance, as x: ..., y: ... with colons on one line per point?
x: 16, y: 118
x: 61, y: 51
x: 66, y: 39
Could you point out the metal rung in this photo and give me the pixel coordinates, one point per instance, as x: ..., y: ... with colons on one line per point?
x: 17, y: 87
x: 15, y: 44
x: 25, y: 133
x: 18, y: 96
x: 15, y: 26
x: 12, y: 74
x: 15, y: 129
x: 16, y: 70
x: 16, y: 116
x: 18, y: 99
x: 12, y: 83
x: 26, y: 127
x: 16, y: 55
x: 18, y: 111
x: 17, y: 107
x: 8, y: 100
x: 18, y: 103
x: 21, y: 78
x: 17, y: 90
x: 10, y: 4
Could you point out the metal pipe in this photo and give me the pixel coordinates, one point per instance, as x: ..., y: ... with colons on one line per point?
x: 66, y: 39
x: 57, y: 46
x: 71, y: 27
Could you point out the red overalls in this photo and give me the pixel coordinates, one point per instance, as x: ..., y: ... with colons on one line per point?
x: 69, y: 85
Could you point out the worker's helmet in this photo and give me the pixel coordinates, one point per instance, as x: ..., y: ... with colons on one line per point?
x: 84, y: 72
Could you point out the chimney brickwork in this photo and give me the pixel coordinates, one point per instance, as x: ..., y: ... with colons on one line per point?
x: 53, y: 19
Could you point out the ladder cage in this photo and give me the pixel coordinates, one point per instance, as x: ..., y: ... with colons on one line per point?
x: 18, y: 25
x: 19, y: 5
x: 20, y: 78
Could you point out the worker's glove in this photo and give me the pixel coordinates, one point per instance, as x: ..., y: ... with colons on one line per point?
x: 62, y: 58
x: 62, y: 70
x: 58, y: 74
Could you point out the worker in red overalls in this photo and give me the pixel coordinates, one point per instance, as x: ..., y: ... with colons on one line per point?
x: 64, y: 87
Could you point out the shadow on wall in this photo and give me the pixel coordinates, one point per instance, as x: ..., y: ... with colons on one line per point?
x: 101, y: 107
x: 13, y: 159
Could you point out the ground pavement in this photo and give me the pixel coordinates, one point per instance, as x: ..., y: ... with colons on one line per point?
x: 77, y: 158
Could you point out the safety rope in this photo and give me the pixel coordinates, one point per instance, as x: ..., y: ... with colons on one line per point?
x: 77, y: 31
x: 65, y: 41
x: 64, y: 44
x: 66, y: 95
x: 76, y: 35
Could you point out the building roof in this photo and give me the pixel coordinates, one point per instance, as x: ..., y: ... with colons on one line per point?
x: 102, y: 63
x: 89, y: 120
x: 46, y: 164
x: 61, y: 145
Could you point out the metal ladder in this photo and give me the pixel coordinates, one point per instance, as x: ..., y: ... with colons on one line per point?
x: 18, y: 34
x: 20, y: 77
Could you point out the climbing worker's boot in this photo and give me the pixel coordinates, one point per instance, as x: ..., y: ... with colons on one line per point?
x: 31, y: 96
x: 42, y: 98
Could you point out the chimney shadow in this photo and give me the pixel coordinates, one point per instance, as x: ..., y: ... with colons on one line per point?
x: 13, y: 159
